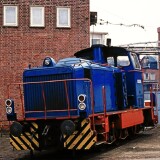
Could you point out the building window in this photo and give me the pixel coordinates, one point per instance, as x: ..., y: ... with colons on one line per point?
x: 147, y: 87
x: 96, y: 41
x: 63, y: 17
x: 10, y: 16
x: 152, y: 76
x: 36, y: 16
x: 97, y: 37
x: 146, y: 76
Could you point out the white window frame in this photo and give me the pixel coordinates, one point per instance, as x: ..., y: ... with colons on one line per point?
x: 146, y: 76
x: 96, y: 39
x: 35, y: 24
x: 68, y: 20
x: 5, y: 23
x: 152, y: 76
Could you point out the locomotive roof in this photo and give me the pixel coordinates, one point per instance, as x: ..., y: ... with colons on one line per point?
x: 107, y: 51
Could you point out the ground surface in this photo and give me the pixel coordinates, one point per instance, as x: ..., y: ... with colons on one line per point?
x: 145, y: 145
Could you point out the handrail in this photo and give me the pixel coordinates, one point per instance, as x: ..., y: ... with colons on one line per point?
x: 104, y: 100
x: 77, y: 79
x: 44, y: 100
x: 20, y: 92
x: 152, y: 105
x: 92, y: 105
x: 104, y: 106
x: 151, y: 96
x: 69, y: 109
x: 68, y: 103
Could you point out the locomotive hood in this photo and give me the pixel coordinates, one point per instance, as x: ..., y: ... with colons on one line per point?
x: 63, y: 69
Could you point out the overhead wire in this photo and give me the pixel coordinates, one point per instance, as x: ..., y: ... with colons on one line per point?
x: 102, y: 22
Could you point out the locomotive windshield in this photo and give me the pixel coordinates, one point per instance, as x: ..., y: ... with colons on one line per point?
x: 122, y: 61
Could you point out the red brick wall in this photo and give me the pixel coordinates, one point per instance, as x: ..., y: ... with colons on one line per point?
x: 23, y: 45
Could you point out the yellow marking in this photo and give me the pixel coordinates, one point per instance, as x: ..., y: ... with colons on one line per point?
x: 79, y: 137
x: 15, y: 145
x: 73, y: 135
x: 34, y: 140
x: 21, y: 143
x: 27, y: 142
x: 24, y: 147
x: 84, y: 122
x: 33, y: 129
x: 84, y: 141
x: 69, y: 139
x: 91, y: 143
x: 35, y: 125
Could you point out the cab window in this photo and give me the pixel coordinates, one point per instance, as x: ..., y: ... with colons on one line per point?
x: 135, y: 61
x: 119, y: 61
x: 123, y: 61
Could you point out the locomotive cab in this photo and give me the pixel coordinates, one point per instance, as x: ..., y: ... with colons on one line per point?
x: 128, y: 62
x: 113, y: 56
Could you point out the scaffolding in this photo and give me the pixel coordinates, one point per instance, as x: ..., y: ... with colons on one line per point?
x: 144, y: 48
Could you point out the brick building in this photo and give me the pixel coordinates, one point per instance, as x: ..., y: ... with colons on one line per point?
x: 150, y: 68
x: 30, y: 30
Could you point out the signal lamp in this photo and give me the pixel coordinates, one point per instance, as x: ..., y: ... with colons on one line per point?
x: 8, y: 102
x: 11, y: 115
x: 8, y: 110
x: 81, y: 98
x: 82, y: 106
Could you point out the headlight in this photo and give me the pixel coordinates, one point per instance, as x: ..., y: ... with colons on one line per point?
x: 82, y: 106
x: 8, y: 102
x: 8, y: 110
x: 47, y: 61
x: 81, y: 98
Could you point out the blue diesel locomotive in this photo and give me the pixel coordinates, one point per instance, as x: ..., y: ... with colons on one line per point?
x: 80, y: 102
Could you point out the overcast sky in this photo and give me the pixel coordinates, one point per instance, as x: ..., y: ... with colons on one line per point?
x: 141, y: 12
